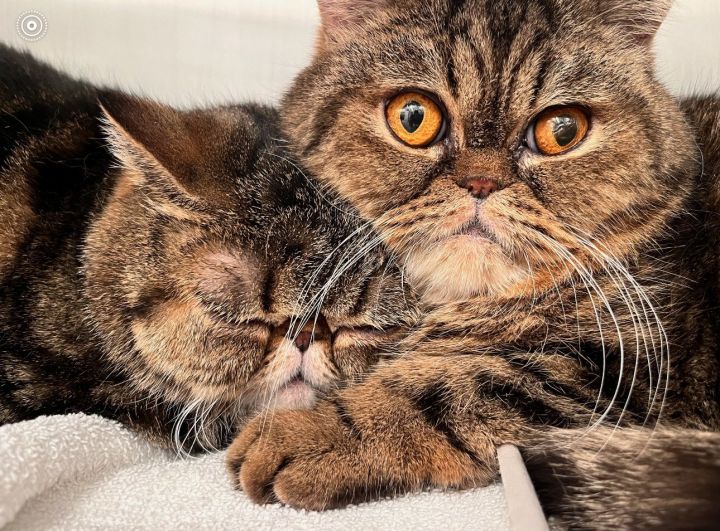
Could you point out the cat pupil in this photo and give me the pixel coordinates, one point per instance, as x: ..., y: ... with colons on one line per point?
x: 565, y: 129
x: 412, y: 116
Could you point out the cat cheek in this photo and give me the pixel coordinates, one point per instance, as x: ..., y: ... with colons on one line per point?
x: 179, y: 338
x: 353, y: 357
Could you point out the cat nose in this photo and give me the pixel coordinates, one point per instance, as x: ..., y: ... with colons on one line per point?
x: 479, y: 187
x: 314, y: 330
x: 303, y: 341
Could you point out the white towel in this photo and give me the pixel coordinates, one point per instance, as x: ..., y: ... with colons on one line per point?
x: 85, y: 472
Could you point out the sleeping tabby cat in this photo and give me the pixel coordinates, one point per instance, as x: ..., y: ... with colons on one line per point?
x: 559, y: 210
x: 151, y: 262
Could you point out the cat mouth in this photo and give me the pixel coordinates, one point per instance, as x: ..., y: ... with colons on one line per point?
x: 296, y: 383
x: 477, y: 229
x: 296, y: 393
x: 298, y: 379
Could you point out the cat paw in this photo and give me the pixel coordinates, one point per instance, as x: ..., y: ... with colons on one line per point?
x: 320, y: 459
x: 305, y: 459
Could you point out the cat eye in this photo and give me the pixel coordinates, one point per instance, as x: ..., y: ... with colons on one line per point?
x: 558, y: 130
x: 416, y: 119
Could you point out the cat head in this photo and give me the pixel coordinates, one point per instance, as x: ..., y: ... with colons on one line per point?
x: 218, y: 273
x: 495, y: 144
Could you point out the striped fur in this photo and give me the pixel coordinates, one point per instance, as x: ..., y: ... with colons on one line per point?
x: 151, y: 262
x: 591, y: 299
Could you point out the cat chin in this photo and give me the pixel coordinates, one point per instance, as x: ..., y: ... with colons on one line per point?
x: 461, y: 267
x: 295, y: 395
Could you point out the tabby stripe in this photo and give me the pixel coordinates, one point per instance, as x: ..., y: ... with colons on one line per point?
x: 148, y: 300
x: 435, y: 403
x: 540, y: 78
x: 362, y: 300
x: 454, y: 10
x: 525, y: 56
x: 550, y: 11
x: 545, y: 377
x: 595, y: 356
x: 529, y: 407
x: 345, y: 418
x: 451, y: 76
x: 267, y: 292
x: 325, y: 121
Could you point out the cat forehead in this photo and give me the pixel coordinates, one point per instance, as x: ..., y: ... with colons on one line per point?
x: 484, y: 40
x: 495, y: 62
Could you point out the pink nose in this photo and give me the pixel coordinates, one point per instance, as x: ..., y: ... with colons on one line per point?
x: 303, y: 341
x: 479, y: 187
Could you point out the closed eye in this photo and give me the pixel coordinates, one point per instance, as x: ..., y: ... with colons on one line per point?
x: 368, y: 334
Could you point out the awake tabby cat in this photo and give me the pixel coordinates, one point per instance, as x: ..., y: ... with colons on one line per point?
x: 558, y: 210
x: 152, y: 260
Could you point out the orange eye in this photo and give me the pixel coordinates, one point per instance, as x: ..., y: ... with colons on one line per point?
x: 415, y: 119
x: 558, y: 130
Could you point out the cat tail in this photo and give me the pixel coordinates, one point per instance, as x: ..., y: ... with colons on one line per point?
x: 629, y: 478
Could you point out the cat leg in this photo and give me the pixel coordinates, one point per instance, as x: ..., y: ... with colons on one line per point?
x: 419, y: 421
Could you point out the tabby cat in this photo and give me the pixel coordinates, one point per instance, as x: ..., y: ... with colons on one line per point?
x: 152, y: 261
x: 558, y: 210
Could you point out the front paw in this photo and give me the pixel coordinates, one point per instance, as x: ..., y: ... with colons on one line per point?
x: 306, y: 459
x: 326, y: 458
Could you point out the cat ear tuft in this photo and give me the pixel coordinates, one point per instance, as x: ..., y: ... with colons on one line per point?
x: 339, y: 18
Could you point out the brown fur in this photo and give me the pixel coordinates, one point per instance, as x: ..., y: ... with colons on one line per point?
x: 156, y: 265
x: 583, y: 293
x: 629, y: 479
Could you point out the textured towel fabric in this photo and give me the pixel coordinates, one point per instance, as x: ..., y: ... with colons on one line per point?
x: 84, y: 472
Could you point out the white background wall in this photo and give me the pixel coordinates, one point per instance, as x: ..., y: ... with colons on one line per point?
x: 193, y: 51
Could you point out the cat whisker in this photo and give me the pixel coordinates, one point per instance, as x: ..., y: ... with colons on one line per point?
x: 315, y: 303
x: 188, y: 409
x: 308, y: 285
x: 313, y: 307
x: 619, y: 274
x: 663, y: 345
x: 590, y: 281
x: 573, y: 269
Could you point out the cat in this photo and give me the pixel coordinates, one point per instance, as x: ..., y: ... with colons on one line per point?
x: 557, y: 209
x: 156, y: 264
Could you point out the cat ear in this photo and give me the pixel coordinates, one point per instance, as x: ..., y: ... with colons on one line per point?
x: 338, y: 18
x: 168, y: 152
x: 641, y: 19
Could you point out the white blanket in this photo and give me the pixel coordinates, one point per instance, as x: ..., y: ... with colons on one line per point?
x: 84, y: 472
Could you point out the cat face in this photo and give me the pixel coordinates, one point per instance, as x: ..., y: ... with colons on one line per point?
x: 496, y: 145
x: 214, y: 266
